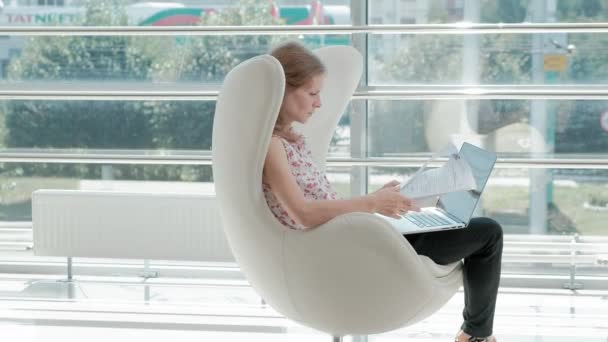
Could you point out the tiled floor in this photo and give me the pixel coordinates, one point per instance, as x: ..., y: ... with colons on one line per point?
x: 94, y: 309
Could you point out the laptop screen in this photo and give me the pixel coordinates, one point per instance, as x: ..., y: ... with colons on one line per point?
x: 462, y: 203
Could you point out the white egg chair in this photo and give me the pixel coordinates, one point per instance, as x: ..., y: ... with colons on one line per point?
x: 354, y: 275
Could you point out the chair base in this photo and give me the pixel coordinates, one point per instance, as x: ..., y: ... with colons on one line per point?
x: 361, y: 338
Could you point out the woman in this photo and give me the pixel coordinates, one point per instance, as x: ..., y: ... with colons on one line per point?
x: 300, y: 196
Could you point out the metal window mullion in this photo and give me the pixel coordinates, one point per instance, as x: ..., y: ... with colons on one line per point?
x: 133, y: 159
x: 358, y: 118
x: 364, y: 93
x: 356, y: 27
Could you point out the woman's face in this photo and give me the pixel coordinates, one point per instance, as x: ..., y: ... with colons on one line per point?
x: 299, y: 103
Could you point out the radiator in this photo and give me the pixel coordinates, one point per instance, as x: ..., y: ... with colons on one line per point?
x: 109, y: 224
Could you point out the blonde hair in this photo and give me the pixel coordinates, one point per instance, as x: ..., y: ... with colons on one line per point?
x: 299, y: 65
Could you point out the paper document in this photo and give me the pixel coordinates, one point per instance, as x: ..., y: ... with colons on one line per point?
x: 454, y: 175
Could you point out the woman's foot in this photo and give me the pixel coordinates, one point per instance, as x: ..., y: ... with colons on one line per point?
x: 464, y: 337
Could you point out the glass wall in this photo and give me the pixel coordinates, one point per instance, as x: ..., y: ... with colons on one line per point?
x: 110, y: 107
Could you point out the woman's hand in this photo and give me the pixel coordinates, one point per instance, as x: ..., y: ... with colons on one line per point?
x: 390, y: 202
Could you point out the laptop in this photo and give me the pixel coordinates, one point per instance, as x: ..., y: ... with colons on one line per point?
x: 454, y: 209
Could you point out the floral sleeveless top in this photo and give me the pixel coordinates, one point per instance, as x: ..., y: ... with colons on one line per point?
x: 312, y: 181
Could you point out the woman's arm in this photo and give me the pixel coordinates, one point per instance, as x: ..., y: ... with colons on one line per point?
x: 311, y: 213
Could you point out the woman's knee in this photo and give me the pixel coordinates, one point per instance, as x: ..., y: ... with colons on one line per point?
x: 490, y: 227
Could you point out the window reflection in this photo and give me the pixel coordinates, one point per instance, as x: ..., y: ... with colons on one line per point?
x: 503, y: 126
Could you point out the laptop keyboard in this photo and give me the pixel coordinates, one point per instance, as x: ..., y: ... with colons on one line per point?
x: 426, y: 219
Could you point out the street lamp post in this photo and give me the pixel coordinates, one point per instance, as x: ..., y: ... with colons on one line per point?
x: 549, y: 60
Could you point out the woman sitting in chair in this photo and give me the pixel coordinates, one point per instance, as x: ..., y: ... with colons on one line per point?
x: 300, y: 196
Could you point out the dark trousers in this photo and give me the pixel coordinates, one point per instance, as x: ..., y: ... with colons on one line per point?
x: 480, y: 245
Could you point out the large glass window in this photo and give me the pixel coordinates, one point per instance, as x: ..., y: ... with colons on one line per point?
x: 131, y: 109
x: 488, y: 59
x: 487, y: 11
x: 510, y: 127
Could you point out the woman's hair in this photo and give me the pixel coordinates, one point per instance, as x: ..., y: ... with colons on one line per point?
x: 299, y: 65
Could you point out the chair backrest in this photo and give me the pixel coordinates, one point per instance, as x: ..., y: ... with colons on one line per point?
x: 245, y: 115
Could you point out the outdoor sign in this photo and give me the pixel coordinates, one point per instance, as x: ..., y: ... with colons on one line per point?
x: 555, y: 62
x: 37, y: 16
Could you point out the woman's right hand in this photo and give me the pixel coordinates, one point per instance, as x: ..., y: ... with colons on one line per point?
x: 390, y: 202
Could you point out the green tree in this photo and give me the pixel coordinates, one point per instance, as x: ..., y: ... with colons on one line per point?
x: 512, y: 11
x: 129, y: 124
x: 581, y: 10
x: 92, y: 60
x: 205, y: 60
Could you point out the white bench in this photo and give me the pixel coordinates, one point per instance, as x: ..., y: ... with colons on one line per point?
x: 111, y: 224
